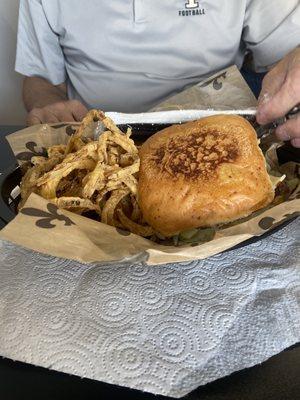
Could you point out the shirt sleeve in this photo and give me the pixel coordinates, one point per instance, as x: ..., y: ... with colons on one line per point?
x: 39, y: 53
x: 271, y: 30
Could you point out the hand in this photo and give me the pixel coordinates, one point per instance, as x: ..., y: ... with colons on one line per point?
x: 63, y: 111
x: 280, y: 93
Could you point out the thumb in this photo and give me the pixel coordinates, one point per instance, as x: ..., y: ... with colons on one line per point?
x: 271, y: 85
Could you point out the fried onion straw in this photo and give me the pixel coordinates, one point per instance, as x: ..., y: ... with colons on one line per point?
x: 98, y: 176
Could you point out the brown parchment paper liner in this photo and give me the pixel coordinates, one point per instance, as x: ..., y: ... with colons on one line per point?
x: 75, y: 237
x: 225, y: 90
x: 43, y: 228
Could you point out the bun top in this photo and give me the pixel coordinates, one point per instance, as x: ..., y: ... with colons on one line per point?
x: 202, y: 173
x: 192, y: 154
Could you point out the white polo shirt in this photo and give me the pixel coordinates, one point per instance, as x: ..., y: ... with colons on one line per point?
x: 128, y: 55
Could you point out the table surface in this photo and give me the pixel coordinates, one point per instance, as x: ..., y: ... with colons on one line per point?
x: 275, y: 379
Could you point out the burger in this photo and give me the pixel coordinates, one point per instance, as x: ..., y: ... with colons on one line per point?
x: 202, y: 174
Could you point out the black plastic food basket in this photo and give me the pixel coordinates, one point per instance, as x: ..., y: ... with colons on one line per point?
x: 9, y: 193
x: 10, y: 179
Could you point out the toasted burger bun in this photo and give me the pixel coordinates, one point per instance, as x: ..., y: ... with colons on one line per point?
x: 201, y: 174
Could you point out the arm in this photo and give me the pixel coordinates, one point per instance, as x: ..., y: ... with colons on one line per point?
x: 280, y: 93
x: 38, y: 93
x: 40, y: 59
x: 47, y: 103
x: 272, y: 33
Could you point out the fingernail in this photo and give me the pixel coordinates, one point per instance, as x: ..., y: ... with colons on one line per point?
x: 283, y: 134
x: 296, y: 142
x: 262, y: 102
x: 264, y: 98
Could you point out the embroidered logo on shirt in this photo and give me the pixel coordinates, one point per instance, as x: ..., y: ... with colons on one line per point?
x: 192, y: 4
x: 192, y: 7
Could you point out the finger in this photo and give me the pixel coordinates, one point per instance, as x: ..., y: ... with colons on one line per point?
x: 283, y: 101
x: 32, y: 120
x: 65, y: 116
x: 271, y: 83
x: 78, y: 110
x: 50, y: 118
x: 296, y: 142
x: 289, y: 130
x: 59, y: 112
x: 35, y: 117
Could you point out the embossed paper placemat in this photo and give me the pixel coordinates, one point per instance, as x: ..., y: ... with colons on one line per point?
x: 164, y: 329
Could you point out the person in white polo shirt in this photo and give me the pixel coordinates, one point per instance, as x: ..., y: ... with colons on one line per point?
x: 129, y: 55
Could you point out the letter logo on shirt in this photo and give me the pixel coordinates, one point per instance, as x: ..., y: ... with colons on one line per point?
x: 192, y: 4
x: 192, y: 8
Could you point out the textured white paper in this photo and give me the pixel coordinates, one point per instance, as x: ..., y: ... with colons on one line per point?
x: 162, y: 329
x: 174, y: 116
